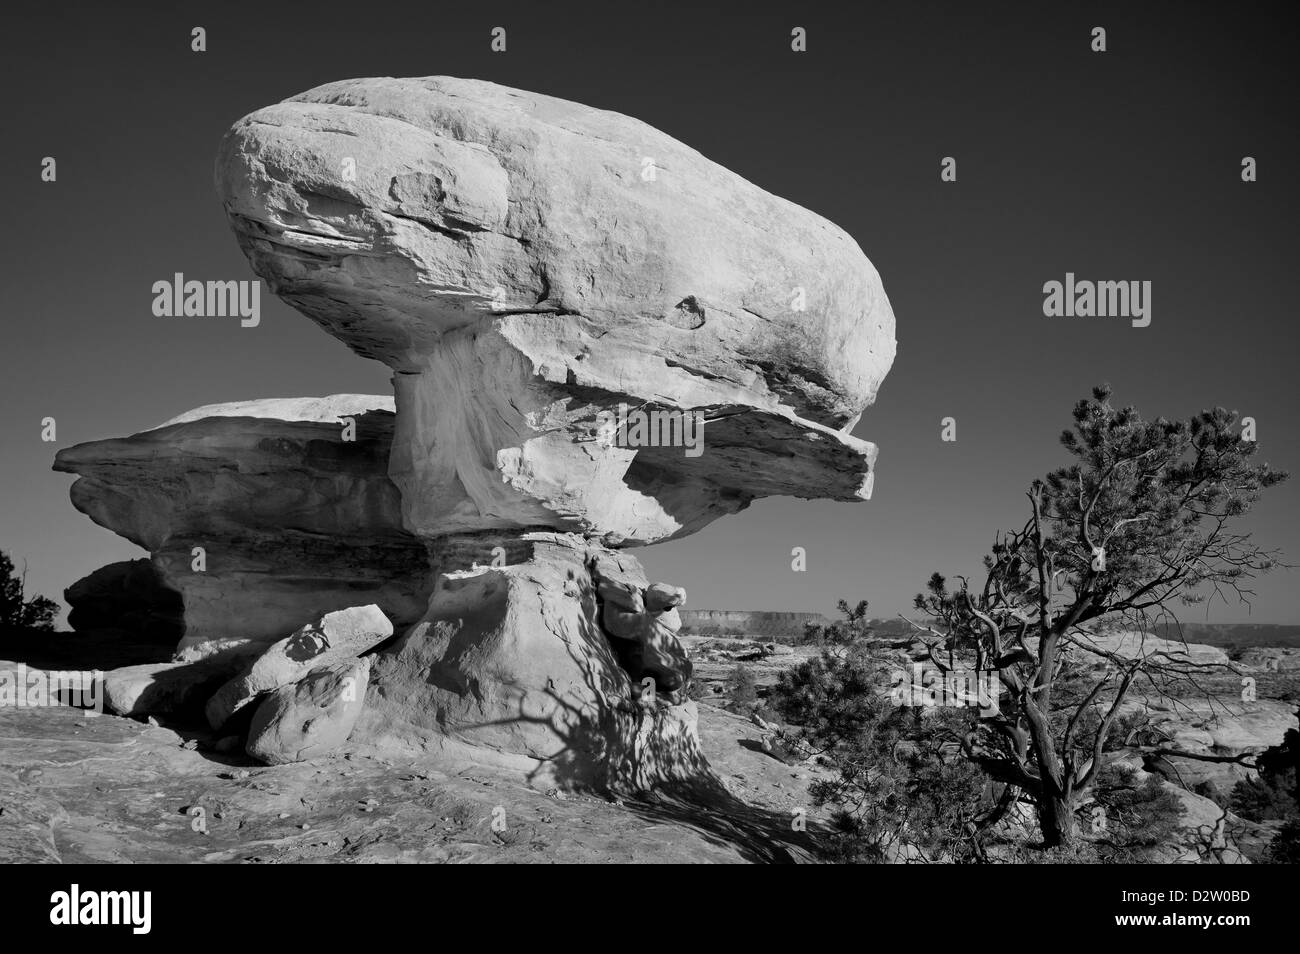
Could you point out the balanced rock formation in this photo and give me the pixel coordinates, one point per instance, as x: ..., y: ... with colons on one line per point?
x: 532, y: 268
x: 599, y: 339
x: 293, y: 518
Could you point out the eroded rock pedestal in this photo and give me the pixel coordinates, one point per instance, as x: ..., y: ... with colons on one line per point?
x: 514, y: 660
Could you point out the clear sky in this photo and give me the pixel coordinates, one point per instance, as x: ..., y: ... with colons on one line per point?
x: 1123, y: 165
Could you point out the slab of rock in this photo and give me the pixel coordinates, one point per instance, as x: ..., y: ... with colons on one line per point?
x: 600, y: 339
x: 131, y: 808
x: 293, y: 519
x: 1132, y: 645
x: 310, y: 718
x: 532, y: 268
x: 336, y: 637
x: 170, y: 688
x: 643, y: 623
x: 1213, y: 726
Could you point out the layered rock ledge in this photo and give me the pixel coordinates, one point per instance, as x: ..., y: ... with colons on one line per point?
x: 292, y: 519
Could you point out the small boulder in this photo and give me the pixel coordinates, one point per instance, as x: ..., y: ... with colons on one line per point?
x: 660, y: 597
x: 310, y: 718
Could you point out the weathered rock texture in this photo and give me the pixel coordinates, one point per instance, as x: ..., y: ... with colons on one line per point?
x: 512, y: 661
x: 293, y: 520
x: 336, y: 638
x: 310, y: 718
x: 525, y: 263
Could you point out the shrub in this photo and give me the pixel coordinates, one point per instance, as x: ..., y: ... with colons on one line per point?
x: 742, y: 689
x: 15, y: 609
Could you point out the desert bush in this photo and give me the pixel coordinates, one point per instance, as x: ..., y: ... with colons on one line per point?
x: 902, y: 783
x: 742, y: 690
x: 841, y: 632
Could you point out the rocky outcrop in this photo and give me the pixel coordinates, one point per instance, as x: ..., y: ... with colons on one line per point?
x: 530, y: 268
x: 1213, y: 732
x: 1129, y: 645
x: 599, y: 339
x: 292, y: 518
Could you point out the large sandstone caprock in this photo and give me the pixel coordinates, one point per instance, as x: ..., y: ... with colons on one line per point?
x: 293, y: 519
x: 526, y: 264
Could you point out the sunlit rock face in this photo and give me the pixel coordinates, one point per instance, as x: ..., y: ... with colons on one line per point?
x: 292, y: 519
x: 524, y: 264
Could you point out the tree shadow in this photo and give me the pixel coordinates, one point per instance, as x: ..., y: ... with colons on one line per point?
x: 102, y: 649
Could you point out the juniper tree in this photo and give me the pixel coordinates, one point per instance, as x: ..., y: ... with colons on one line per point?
x: 1142, y: 521
x: 16, y: 609
x: 841, y: 632
x: 742, y: 689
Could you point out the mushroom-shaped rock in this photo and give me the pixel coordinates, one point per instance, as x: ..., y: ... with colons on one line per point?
x: 594, y: 327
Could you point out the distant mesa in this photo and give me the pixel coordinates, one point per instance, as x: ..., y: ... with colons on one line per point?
x: 768, y: 624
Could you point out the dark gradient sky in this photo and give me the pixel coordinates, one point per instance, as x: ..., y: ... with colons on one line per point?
x: 1123, y: 165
